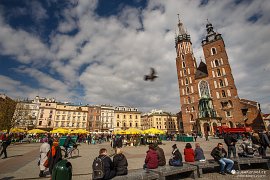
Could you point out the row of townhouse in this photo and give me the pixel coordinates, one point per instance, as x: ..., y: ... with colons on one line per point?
x: 48, y: 114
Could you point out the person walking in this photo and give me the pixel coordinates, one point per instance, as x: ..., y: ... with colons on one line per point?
x: 230, y: 141
x: 54, y: 156
x: 199, y: 155
x: 161, y: 155
x: 44, y: 149
x: 206, y: 136
x: 189, y: 153
x: 120, y: 163
x: 151, y: 159
x: 264, y: 143
x: 219, y: 154
x: 5, y: 143
x: 176, y: 159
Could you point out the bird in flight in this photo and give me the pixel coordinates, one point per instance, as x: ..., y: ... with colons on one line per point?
x: 152, y: 76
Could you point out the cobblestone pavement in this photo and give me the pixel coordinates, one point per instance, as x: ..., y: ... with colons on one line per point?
x: 22, y: 161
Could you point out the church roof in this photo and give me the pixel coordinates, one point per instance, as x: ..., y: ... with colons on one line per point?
x: 201, y: 71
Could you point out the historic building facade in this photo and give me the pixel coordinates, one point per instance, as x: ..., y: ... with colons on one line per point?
x: 94, y: 118
x: 70, y: 116
x: 126, y: 117
x: 160, y: 120
x: 106, y: 118
x: 208, y: 95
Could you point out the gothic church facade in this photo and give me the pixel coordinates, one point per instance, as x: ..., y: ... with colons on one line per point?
x: 208, y: 95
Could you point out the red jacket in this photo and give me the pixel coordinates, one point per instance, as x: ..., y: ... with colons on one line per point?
x: 189, y: 155
x: 151, y: 159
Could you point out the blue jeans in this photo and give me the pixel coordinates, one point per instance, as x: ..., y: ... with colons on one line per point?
x: 226, y: 162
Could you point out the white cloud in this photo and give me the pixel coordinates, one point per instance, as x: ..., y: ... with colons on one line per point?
x: 116, y: 55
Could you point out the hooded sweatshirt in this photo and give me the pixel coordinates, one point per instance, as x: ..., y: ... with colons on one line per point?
x: 120, y: 164
x: 151, y: 159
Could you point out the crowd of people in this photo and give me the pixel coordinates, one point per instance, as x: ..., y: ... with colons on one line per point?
x: 106, y: 168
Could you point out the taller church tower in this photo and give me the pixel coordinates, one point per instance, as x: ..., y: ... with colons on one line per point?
x: 186, y: 69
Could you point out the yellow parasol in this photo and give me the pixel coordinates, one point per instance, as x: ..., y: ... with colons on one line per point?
x: 133, y: 131
x: 60, y: 131
x: 119, y: 132
x: 17, y: 130
x: 36, y: 131
x: 80, y: 131
x: 153, y: 131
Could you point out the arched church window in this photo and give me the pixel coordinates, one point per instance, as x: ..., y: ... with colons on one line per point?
x: 186, y: 81
x: 187, y: 90
x: 204, y: 89
x: 223, y: 93
x: 216, y: 63
x: 185, y: 72
x: 183, y: 57
x: 218, y: 72
x: 191, y: 117
x: 183, y: 64
x: 230, y: 103
x: 213, y: 51
x: 221, y: 83
x: 189, y: 100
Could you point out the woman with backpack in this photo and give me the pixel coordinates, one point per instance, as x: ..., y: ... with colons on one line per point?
x: 120, y: 163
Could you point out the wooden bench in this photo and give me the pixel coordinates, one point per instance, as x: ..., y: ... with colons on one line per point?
x: 166, y: 171
x: 138, y: 174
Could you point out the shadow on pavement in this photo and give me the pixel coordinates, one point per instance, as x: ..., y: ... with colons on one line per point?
x: 7, y: 178
x: 14, y: 156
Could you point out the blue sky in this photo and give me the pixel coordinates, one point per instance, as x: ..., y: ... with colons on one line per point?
x: 97, y: 52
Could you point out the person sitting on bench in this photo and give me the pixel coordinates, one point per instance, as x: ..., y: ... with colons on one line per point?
x: 220, y: 154
x: 176, y: 159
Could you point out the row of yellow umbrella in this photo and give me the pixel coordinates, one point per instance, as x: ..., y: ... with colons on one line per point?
x: 55, y: 131
x: 137, y: 131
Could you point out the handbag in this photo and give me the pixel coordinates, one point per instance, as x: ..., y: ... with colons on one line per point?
x: 46, y: 163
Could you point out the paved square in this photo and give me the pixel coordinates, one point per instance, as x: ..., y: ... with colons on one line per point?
x: 22, y: 161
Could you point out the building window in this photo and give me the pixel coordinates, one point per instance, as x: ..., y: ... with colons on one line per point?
x: 49, y: 123
x: 218, y: 72
x: 57, y: 117
x: 187, y: 89
x: 228, y: 113
x: 136, y: 117
x: 183, y: 64
x: 216, y: 63
x: 117, y: 115
x: 124, y: 116
x: 40, y: 123
x: 203, y: 89
x: 185, y: 72
x: 117, y: 124
x: 183, y: 57
x: 223, y: 93
x: 213, y: 51
x: 221, y: 84
x: 130, y: 116
x: 130, y: 124
x: 189, y: 100
x: 186, y: 81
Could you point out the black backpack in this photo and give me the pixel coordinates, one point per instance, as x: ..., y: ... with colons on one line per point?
x: 98, y: 168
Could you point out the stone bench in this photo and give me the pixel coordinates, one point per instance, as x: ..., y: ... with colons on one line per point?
x: 249, y: 161
x: 237, y: 161
x: 166, y: 171
x: 138, y: 174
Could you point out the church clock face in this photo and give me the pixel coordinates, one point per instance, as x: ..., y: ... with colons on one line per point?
x: 204, y: 90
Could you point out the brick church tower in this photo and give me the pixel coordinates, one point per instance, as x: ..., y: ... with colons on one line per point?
x: 208, y: 95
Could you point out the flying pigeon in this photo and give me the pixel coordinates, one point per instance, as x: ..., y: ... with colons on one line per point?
x: 152, y: 76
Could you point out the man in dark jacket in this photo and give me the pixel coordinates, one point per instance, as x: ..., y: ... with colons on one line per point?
x: 230, y: 141
x: 264, y: 143
x: 219, y: 154
x: 5, y: 143
x: 109, y: 171
x: 161, y: 155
